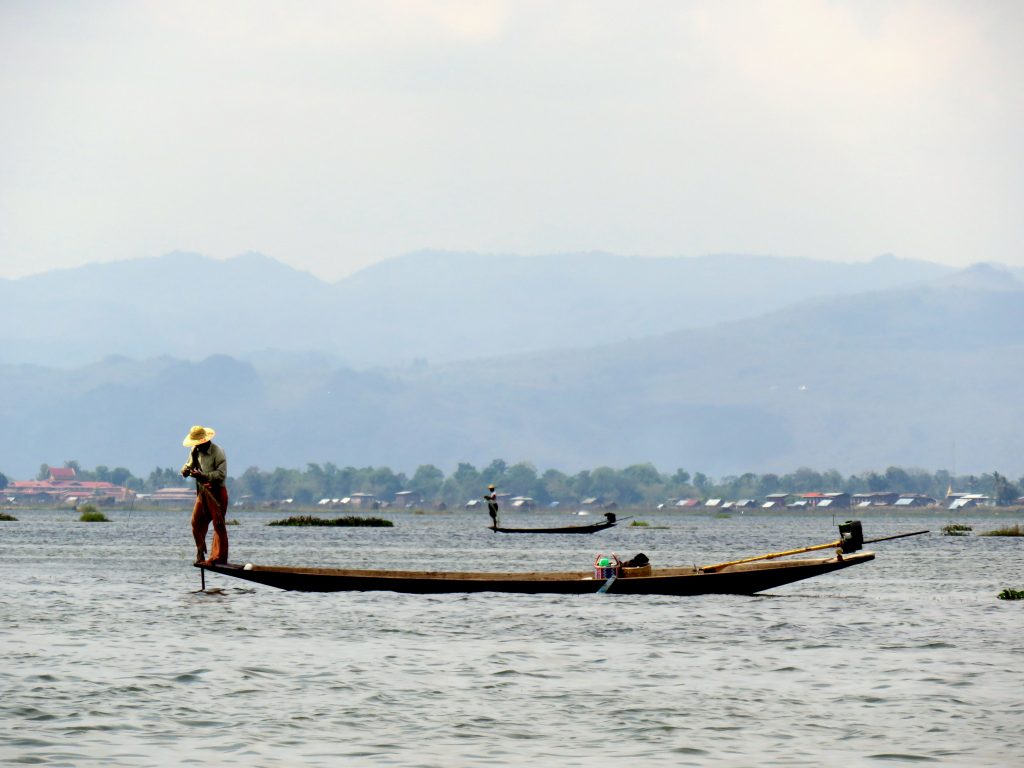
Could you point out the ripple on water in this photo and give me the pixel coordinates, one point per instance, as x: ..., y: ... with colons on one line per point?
x: 103, y: 670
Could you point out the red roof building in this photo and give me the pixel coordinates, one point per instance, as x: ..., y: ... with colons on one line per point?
x: 62, y: 488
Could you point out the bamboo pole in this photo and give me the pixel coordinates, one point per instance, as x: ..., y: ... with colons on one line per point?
x: 772, y: 555
x: 838, y: 544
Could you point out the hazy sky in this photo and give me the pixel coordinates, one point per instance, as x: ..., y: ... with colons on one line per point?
x: 331, y: 135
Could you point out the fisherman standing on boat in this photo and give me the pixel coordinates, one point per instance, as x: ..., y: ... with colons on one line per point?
x: 492, y: 506
x: 208, y: 464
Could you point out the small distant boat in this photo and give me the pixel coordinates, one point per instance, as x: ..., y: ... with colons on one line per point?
x: 738, y: 577
x: 608, y: 522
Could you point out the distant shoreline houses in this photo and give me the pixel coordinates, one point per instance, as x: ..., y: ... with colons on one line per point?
x: 63, y: 488
x: 792, y: 501
x: 840, y: 500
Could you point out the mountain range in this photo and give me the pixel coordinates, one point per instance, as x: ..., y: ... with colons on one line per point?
x: 426, y: 306
x: 916, y: 366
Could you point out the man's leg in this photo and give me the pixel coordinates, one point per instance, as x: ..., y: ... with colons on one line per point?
x: 200, y: 525
x: 219, y: 552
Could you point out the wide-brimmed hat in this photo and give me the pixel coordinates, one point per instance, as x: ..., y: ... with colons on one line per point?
x: 197, y: 436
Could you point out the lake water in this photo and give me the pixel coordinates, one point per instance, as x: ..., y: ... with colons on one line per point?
x: 110, y: 658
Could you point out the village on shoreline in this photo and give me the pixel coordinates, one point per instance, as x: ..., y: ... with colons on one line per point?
x: 62, y: 488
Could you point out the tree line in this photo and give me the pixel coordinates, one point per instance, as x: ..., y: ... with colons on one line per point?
x: 636, y: 485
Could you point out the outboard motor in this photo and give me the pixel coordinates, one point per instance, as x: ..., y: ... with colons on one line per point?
x: 851, y: 536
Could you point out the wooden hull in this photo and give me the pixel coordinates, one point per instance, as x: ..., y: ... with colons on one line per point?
x: 745, y: 579
x: 592, y: 528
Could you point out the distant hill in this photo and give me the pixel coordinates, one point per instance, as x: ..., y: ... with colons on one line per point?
x: 459, y: 306
x: 437, y: 307
x: 848, y: 382
x: 181, y: 304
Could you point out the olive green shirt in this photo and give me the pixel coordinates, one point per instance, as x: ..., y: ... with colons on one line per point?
x: 213, y: 463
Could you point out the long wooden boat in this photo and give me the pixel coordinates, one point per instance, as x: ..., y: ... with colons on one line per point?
x: 746, y: 578
x: 591, y: 528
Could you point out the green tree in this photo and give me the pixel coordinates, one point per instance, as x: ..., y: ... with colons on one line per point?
x: 165, y: 477
x: 494, y: 473
x: 804, y: 480
x: 427, y: 481
x: 3, y: 481
x: 877, y: 482
x: 384, y: 484
x: 315, y: 479
x: 253, y: 483
x: 581, y: 484
x: 768, y: 484
x: 521, y: 480
x: 1004, y: 491
x: 832, y: 480
x: 898, y: 479
x: 746, y: 485
x: 642, y: 475
x: 556, y: 486
x: 604, y: 484
x: 727, y: 487
x: 464, y: 484
x: 681, y: 477
x: 44, y: 472
x: 121, y: 476
x: 281, y: 483
x: 340, y: 482
x: 310, y: 483
x: 641, y: 483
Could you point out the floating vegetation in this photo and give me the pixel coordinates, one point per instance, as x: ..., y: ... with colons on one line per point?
x: 345, y: 522
x: 6, y: 517
x: 956, y: 529
x: 232, y: 521
x: 90, y: 514
x: 722, y: 516
x: 1010, y: 530
x: 1011, y: 594
x: 648, y: 526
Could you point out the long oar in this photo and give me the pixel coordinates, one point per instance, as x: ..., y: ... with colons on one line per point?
x: 770, y: 556
x: 773, y: 555
x: 604, y: 587
x: 897, y: 536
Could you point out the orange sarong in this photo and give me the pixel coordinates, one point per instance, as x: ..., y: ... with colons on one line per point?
x: 211, y: 504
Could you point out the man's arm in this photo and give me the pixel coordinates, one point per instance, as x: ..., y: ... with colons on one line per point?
x: 188, y: 465
x: 219, y: 471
